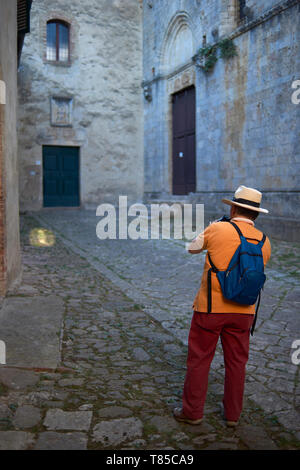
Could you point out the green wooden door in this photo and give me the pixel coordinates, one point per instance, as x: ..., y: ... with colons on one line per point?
x: 61, y: 176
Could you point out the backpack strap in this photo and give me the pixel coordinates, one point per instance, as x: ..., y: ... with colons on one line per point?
x: 209, y: 290
x: 213, y: 266
x: 215, y: 270
x: 236, y: 228
x: 261, y: 242
x: 256, y: 312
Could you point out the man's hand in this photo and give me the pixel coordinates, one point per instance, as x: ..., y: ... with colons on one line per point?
x: 196, y: 245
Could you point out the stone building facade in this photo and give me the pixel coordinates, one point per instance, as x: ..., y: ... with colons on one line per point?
x: 87, y: 134
x: 245, y: 129
x: 80, y: 123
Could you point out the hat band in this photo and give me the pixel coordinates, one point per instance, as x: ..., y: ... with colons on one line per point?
x: 246, y: 201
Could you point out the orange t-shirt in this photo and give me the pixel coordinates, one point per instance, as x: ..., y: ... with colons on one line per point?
x: 221, y: 241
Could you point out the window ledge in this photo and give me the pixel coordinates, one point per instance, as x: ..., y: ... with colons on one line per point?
x: 58, y: 63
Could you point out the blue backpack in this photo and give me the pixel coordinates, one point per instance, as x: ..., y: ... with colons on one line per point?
x: 244, y: 278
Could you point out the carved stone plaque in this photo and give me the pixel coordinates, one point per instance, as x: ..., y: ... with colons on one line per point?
x: 61, y: 111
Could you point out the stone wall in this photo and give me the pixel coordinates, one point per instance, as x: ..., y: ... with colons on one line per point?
x: 10, y: 263
x: 103, y: 80
x: 257, y: 7
x: 247, y: 126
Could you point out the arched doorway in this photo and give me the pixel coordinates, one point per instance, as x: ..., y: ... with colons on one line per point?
x: 177, y: 66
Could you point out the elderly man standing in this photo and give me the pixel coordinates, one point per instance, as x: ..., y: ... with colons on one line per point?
x: 215, y: 316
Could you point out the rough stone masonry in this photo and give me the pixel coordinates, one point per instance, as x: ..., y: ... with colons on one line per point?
x: 247, y: 127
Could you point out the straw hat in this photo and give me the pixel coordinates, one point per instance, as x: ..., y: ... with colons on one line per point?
x: 247, y: 197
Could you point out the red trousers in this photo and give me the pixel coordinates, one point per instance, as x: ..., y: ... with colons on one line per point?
x: 206, y: 328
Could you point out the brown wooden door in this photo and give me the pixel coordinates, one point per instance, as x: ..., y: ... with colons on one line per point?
x: 184, y: 148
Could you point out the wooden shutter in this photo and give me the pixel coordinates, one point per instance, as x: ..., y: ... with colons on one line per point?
x: 23, y: 16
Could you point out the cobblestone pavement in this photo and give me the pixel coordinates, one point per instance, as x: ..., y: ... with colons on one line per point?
x: 127, y: 309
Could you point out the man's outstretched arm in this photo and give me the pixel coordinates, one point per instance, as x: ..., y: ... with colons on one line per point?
x: 196, y: 245
x: 199, y: 243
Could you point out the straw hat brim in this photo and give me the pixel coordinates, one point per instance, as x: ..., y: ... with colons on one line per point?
x: 256, y: 209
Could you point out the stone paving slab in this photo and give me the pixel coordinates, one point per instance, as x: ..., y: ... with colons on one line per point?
x: 50, y: 440
x: 26, y: 416
x: 121, y: 371
x: 114, y: 432
x: 17, y: 379
x: 30, y: 328
x: 16, y: 440
x: 57, y: 419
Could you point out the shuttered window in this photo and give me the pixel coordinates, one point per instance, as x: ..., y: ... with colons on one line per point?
x: 58, y: 41
x: 23, y: 16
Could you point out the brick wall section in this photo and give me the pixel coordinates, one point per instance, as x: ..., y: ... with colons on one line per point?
x: 2, y: 209
x: 10, y: 258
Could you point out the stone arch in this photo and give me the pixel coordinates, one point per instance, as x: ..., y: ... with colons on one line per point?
x: 178, y: 44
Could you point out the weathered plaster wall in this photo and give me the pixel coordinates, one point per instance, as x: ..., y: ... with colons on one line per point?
x: 247, y: 126
x: 104, y: 80
x: 9, y: 227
